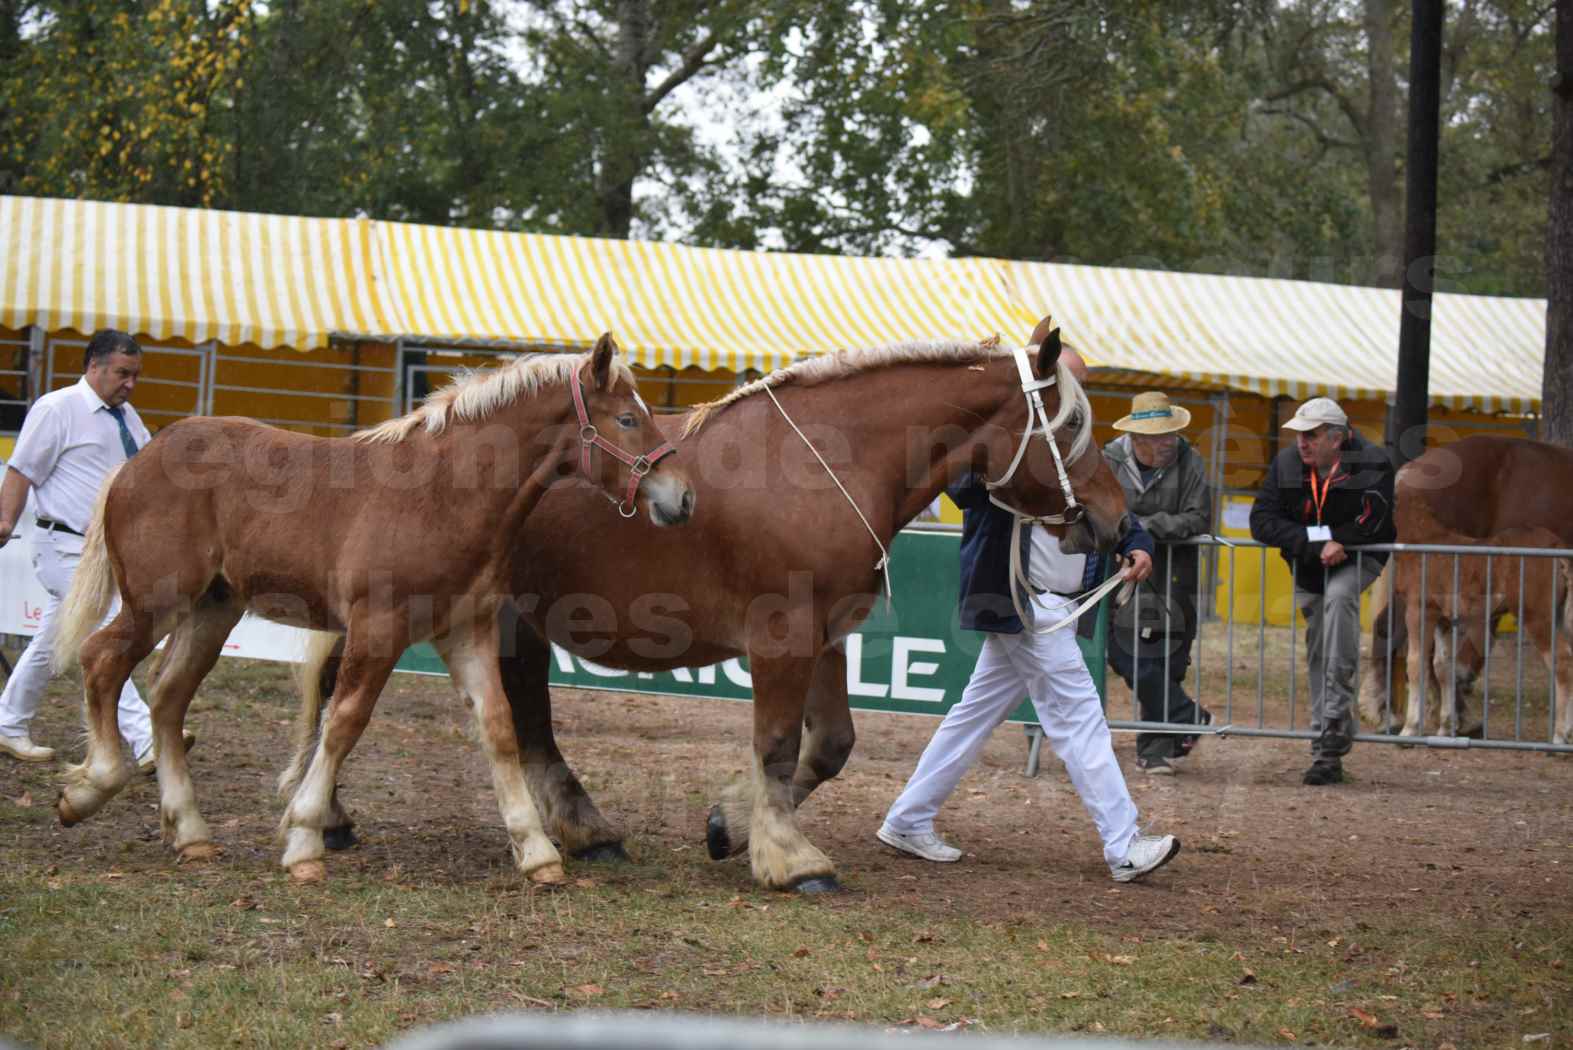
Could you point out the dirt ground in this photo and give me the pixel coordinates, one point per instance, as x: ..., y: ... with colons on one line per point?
x: 1478, y: 837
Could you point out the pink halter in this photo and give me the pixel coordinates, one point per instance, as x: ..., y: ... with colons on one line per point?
x: 638, y: 466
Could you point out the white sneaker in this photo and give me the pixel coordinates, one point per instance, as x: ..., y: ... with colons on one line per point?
x: 1148, y: 853
x: 923, y: 844
x: 23, y: 748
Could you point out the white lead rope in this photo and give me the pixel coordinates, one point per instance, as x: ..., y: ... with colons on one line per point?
x: 884, y: 556
x: 1019, y: 584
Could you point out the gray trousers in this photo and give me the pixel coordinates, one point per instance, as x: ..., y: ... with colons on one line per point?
x: 1332, y: 652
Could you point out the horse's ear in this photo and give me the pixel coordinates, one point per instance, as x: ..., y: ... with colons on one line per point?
x: 601, y: 361
x: 1048, y: 350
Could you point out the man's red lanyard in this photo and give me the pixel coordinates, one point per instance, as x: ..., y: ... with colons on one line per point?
x: 1319, y: 495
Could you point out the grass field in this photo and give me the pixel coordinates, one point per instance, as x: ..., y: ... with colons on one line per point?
x: 1425, y: 904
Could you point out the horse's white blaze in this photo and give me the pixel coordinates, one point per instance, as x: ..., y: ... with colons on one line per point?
x: 475, y: 676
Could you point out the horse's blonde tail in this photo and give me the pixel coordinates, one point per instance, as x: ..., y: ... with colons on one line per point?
x: 92, y: 588
x: 321, y: 646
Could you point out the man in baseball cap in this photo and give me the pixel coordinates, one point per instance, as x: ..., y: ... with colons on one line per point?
x: 1330, y: 490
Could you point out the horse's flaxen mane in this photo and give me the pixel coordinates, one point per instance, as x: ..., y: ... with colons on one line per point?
x: 826, y: 367
x: 477, y: 393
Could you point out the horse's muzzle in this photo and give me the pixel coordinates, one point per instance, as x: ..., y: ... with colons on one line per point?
x: 671, y: 500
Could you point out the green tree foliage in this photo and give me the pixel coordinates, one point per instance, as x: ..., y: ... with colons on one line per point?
x: 1258, y: 136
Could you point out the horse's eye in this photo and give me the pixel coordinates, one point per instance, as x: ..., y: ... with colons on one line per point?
x: 627, y: 421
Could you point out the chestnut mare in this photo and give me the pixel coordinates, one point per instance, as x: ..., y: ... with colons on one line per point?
x: 1474, y: 488
x: 407, y: 531
x: 777, y: 564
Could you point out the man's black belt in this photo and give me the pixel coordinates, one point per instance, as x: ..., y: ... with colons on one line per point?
x: 55, y: 526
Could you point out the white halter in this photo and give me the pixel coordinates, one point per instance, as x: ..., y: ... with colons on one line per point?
x: 1038, y: 421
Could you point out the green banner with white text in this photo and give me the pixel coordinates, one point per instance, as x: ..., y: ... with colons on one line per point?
x: 914, y: 659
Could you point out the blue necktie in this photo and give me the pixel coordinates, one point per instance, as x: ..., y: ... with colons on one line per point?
x: 126, y: 440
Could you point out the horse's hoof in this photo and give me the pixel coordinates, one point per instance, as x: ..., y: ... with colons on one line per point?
x: 308, y: 871
x: 68, y: 816
x: 549, y: 875
x: 717, y: 839
x: 197, y: 852
x: 339, y: 838
x: 817, y: 884
x: 604, y: 853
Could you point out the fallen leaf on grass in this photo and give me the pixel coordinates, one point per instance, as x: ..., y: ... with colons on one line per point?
x: 584, y: 884
x: 1369, y: 1020
x: 439, y: 968
x: 26, y: 801
x: 243, y: 904
x: 801, y: 953
x: 389, y: 923
x: 1247, y: 978
x: 931, y: 982
x: 586, y: 991
x: 1119, y: 960
x: 937, y: 1004
x: 929, y: 1022
x: 1285, y: 1033
x: 924, y: 937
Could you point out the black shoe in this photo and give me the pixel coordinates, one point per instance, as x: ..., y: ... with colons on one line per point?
x: 1324, y: 771
x: 1183, y: 748
x: 1156, y: 766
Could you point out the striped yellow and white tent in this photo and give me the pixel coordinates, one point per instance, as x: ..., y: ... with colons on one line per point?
x: 680, y: 306
x: 1298, y: 339
x: 275, y: 281
x: 238, y: 278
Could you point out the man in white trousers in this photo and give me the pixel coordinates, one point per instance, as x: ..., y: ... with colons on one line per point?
x: 1048, y: 668
x: 71, y: 439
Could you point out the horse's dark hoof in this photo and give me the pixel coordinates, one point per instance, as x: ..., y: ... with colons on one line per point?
x: 717, y: 840
x: 817, y: 884
x: 339, y: 838
x: 604, y: 853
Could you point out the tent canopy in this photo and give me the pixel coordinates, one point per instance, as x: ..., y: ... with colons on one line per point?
x: 277, y: 281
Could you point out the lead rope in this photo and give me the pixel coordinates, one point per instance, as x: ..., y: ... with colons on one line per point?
x: 884, y: 556
x: 1019, y: 584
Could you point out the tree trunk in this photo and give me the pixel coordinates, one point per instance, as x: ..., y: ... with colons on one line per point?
x: 623, y: 146
x: 1556, y: 396
x: 1381, y: 147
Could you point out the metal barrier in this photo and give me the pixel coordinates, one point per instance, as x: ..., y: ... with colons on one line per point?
x: 1219, y: 689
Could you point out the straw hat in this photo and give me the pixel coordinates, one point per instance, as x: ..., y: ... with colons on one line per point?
x: 1151, y: 413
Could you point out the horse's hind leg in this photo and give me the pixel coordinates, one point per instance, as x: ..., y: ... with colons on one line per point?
x: 566, y: 808
x: 828, y: 733
x: 109, y: 655
x: 472, y: 661
x: 193, y: 649
x: 1419, y: 666
x: 364, y: 670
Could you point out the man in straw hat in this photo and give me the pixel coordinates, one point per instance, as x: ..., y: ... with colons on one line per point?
x: 1328, y: 491
x: 1166, y: 489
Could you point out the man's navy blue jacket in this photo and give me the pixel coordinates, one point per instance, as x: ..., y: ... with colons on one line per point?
x: 985, y: 559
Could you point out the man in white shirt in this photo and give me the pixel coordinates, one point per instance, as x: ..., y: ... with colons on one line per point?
x: 70, y: 441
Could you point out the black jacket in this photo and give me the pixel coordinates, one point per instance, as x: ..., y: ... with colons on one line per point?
x: 1358, y: 508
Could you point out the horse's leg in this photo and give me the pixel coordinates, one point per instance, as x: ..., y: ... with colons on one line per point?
x: 472, y: 662
x: 781, y: 857
x: 193, y: 649
x: 108, y: 656
x: 569, y: 814
x: 319, y: 677
x: 370, y: 652
x: 1384, y: 667
x: 828, y: 733
x: 1445, y: 672
x: 1419, y: 666
x: 1538, y: 623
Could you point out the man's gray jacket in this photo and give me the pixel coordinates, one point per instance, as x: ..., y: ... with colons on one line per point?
x: 1176, y: 503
